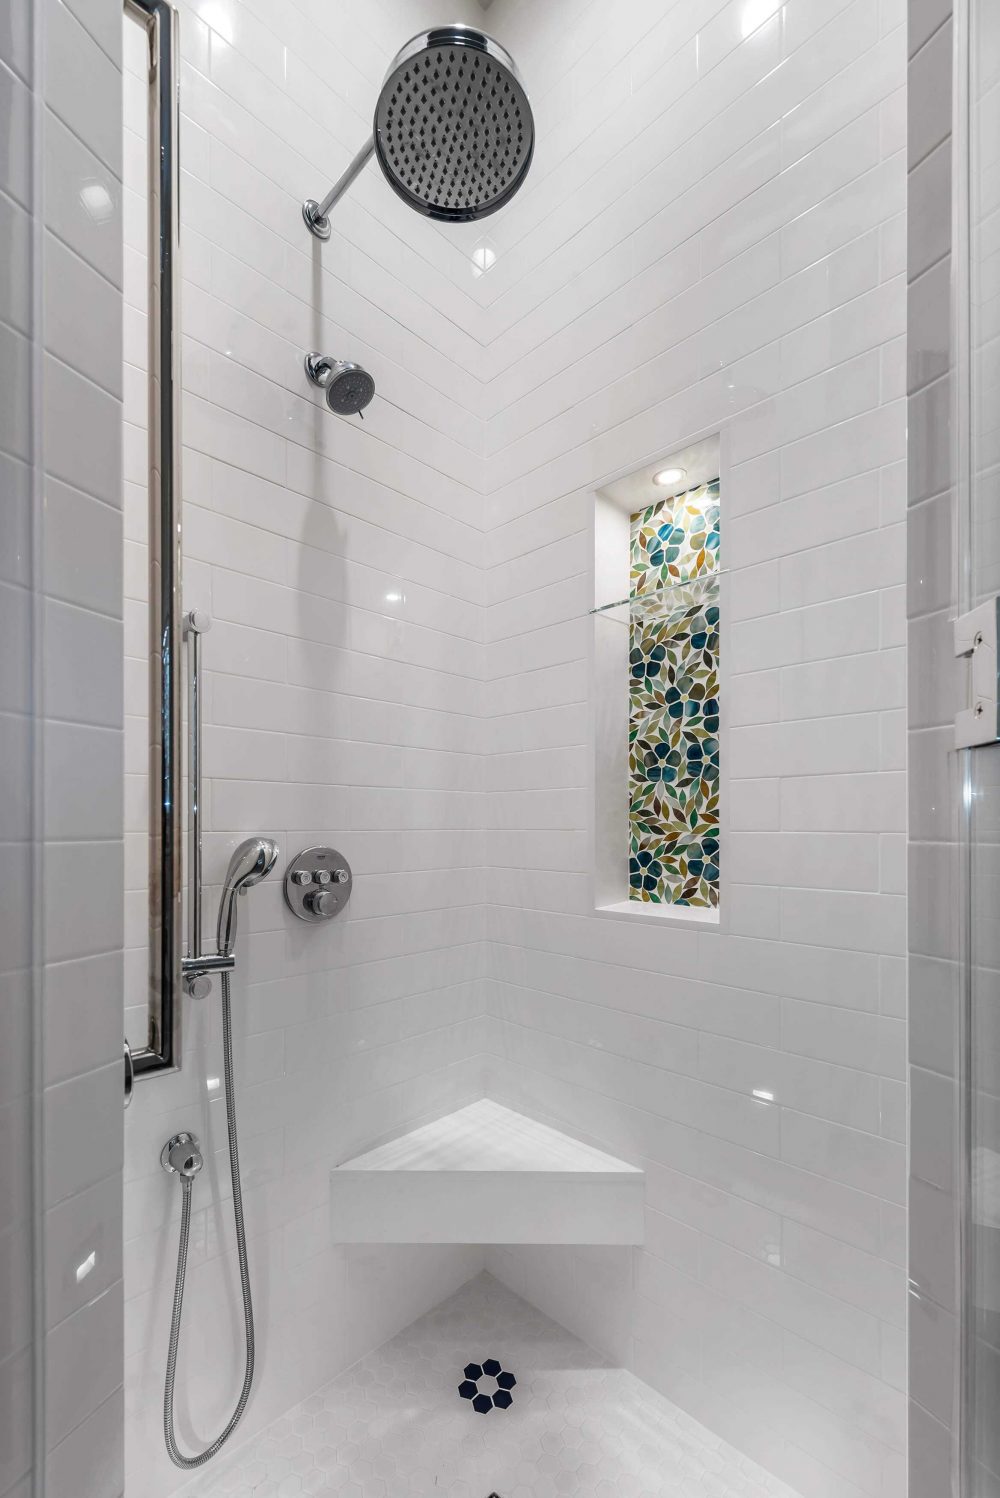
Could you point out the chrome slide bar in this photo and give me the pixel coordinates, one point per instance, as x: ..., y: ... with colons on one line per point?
x: 197, y: 967
x: 196, y: 624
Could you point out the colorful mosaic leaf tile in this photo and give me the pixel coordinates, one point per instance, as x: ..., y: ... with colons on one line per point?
x: 674, y: 702
x: 676, y: 540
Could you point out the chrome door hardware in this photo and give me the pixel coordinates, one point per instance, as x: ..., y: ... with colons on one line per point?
x: 976, y: 641
x: 318, y: 884
x: 129, y: 1074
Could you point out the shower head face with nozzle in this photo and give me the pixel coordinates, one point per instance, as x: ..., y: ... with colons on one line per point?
x: 350, y: 389
x: 454, y: 133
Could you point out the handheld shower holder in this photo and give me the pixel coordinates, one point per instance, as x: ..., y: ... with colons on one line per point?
x: 197, y: 972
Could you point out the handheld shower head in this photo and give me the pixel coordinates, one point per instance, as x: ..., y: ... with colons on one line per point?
x: 252, y: 861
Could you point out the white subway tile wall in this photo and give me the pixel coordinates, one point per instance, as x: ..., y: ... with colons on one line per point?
x: 342, y: 565
x: 713, y: 238
x: 81, y: 752
x: 17, y: 785
x: 936, y: 795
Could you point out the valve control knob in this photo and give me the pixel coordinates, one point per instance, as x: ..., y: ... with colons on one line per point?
x: 322, y: 902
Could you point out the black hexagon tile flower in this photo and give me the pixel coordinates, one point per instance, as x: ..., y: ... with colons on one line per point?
x: 483, y: 1403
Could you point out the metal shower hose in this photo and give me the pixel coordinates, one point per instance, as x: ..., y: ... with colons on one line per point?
x: 177, y: 1456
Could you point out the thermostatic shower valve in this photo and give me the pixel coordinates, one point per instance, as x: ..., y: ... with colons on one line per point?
x: 318, y: 884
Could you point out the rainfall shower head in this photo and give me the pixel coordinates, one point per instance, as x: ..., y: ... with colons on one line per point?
x: 453, y: 131
x: 252, y: 861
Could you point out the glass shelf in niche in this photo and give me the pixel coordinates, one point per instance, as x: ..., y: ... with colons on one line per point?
x: 667, y: 601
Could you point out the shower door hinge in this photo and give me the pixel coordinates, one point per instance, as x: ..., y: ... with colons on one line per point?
x: 976, y: 641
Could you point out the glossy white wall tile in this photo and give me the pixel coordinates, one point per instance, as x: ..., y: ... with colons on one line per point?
x: 60, y: 324
x: 711, y: 239
x: 342, y: 566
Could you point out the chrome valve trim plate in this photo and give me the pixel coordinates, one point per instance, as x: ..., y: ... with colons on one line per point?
x: 318, y: 884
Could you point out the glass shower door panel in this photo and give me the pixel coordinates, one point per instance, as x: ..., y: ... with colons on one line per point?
x: 982, y: 1060
x: 983, y: 1268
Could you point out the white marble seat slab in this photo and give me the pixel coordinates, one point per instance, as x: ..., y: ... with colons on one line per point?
x: 486, y: 1174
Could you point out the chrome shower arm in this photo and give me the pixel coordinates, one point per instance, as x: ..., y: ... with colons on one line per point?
x: 356, y: 167
x: 316, y: 214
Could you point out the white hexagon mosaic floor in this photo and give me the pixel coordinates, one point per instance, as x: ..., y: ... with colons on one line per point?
x: 395, y: 1425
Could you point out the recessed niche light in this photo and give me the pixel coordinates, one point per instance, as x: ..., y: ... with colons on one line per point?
x: 668, y: 476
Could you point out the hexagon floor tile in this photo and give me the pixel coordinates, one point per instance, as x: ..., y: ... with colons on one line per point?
x: 395, y: 1425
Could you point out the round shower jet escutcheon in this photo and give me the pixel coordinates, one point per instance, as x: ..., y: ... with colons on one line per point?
x: 318, y: 884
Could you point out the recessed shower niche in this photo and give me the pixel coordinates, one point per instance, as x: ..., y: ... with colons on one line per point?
x: 658, y: 688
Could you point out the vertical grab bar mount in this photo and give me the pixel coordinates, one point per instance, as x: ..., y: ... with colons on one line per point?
x: 163, y: 1049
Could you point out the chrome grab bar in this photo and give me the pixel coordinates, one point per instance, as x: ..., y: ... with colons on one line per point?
x: 163, y: 1049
